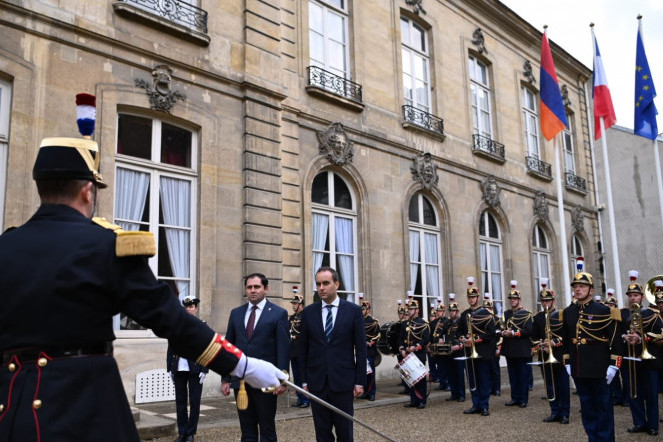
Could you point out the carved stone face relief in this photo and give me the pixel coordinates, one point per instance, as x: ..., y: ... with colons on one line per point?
x: 490, y: 191
x: 577, y: 219
x: 479, y: 41
x: 541, y: 206
x: 335, y: 144
x: 417, y: 5
x: 161, y: 97
x: 424, y: 171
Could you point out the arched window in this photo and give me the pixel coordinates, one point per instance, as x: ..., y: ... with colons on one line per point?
x: 490, y: 250
x: 335, y: 230
x: 540, y: 258
x: 425, y: 267
x: 576, y: 252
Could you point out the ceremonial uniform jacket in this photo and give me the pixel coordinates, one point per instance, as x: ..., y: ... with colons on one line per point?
x: 372, y: 334
x: 173, y: 361
x: 591, y: 339
x: 415, y: 332
x: 539, y: 333
x: 61, y: 283
x: 651, y: 323
x: 451, y: 336
x: 483, y: 328
x: 519, y: 345
x: 295, y: 343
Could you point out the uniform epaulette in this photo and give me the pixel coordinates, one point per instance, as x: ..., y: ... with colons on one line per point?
x: 130, y: 243
x: 561, y: 316
x: 615, y: 314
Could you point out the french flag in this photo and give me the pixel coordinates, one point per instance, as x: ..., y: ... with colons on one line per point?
x: 603, y: 107
x: 553, y: 115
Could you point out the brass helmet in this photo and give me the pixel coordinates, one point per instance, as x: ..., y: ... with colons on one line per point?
x: 658, y: 290
x: 453, y: 306
x: 514, y: 293
x: 487, y: 300
x: 582, y: 277
x: 545, y: 294
x: 610, y: 298
x: 471, y: 290
x: 633, y: 285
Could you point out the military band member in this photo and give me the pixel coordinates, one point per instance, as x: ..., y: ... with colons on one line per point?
x: 548, y: 333
x: 372, y: 337
x: 618, y: 385
x: 455, y: 368
x: 402, y: 319
x: 639, y: 325
x: 516, y: 347
x: 414, y: 338
x: 438, y: 370
x: 592, y: 353
x: 495, y: 371
x: 478, y: 327
x: 297, y: 304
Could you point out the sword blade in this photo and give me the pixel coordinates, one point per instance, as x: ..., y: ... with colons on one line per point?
x: 335, y: 409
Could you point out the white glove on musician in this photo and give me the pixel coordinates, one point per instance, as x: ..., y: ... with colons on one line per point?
x: 610, y: 374
x: 568, y: 369
x: 202, y: 378
x: 258, y: 373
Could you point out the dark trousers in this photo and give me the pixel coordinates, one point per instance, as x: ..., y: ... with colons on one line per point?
x: 456, y: 375
x: 480, y: 379
x: 257, y: 421
x: 644, y: 408
x: 418, y: 392
x: 598, y: 418
x: 187, y: 386
x: 617, y: 387
x: 297, y: 378
x: 557, y: 386
x: 369, y: 388
x: 519, y: 373
x: 324, y: 420
x: 496, y: 376
x: 441, y: 371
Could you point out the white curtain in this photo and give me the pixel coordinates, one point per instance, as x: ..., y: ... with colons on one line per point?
x: 432, y: 266
x: 320, y: 229
x: 345, y: 254
x: 176, y: 205
x: 130, y: 197
x: 414, y: 258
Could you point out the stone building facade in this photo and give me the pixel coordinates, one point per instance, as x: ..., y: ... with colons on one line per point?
x: 396, y: 140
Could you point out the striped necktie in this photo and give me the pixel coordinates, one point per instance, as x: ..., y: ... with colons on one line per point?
x: 329, y: 323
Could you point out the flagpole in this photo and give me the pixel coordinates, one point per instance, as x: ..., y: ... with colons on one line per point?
x: 611, y: 216
x: 562, y: 222
x: 659, y: 179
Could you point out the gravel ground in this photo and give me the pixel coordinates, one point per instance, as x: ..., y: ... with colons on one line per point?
x: 445, y: 420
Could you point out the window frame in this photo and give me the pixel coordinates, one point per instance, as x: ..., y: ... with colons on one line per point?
x: 577, y: 251
x: 414, y: 54
x: 537, y: 253
x: 5, y: 114
x: 531, y: 122
x: 486, y: 243
x: 475, y: 84
x: 328, y: 8
x: 568, y: 146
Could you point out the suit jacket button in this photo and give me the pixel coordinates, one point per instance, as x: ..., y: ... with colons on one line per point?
x: 36, y: 404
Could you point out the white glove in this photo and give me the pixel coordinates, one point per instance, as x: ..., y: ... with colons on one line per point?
x: 258, y: 373
x: 610, y: 374
x: 202, y: 378
x: 172, y: 376
x: 568, y: 369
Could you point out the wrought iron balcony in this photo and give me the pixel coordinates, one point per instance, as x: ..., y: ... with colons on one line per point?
x: 538, y: 167
x: 176, y: 11
x: 333, y: 83
x: 487, y: 146
x: 423, y: 119
x: 575, y: 182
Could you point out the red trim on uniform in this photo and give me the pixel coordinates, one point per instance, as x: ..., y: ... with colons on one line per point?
x: 36, y: 396
x: 517, y: 333
x: 618, y: 362
x: 13, y: 360
x: 227, y: 346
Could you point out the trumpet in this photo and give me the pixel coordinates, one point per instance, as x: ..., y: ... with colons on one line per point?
x: 550, y: 359
x: 637, y: 328
x: 473, y: 354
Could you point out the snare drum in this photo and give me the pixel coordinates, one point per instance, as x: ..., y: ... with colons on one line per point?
x: 388, y: 342
x: 411, y: 369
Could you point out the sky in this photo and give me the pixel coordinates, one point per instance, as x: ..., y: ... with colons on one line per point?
x: 615, y: 26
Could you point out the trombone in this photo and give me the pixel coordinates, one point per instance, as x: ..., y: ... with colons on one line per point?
x: 550, y: 359
x: 473, y: 355
x: 636, y: 328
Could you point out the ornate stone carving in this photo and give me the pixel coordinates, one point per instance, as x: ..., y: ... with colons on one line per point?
x: 416, y: 5
x: 541, y: 206
x: 490, y: 191
x: 159, y: 93
x: 335, y: 144
x: 424, y: 171
x: 577, y: 219
x: 479, y: 41
x: 565, y: 95
x: 527, y: 72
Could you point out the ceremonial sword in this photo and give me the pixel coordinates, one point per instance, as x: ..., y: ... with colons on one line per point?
x: 330, y: 407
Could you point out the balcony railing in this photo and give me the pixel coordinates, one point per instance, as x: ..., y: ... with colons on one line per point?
x: 575, y: 182
x: 423, y: 119
x: 333, y: 83
x: 177, y: 11
x: 539, y: 167
x: 488, y: 146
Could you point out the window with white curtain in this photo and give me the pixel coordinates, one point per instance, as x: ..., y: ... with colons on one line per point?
x: 490, y: 250
x: 569, y: 155
x: 328, y: 36
x: 335, y: 231
x: 540, y: 259
x: 576, y: 252
x: 425, y: 262
x: 480, y: 90
x: 416, y: 65
x: 5, y: 103
x: 155, y: 191
x: 531, y: 122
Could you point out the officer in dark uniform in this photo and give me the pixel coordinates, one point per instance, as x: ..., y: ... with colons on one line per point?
x: 592, y: 353
x: 414, y: 338
x: 639, y: 325
x: 478, y: 328
x: 618, y: 384
x: 495, y: 386
x: 63, y: 277
x: 188, y: 377
x: 455, y: 368
x: 372, y: 337
x: 297, y: 303
x: 548, y: 333
x: 516, y: 347
x: 437, y: 326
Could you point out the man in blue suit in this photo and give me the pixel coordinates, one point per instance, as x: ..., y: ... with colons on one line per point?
x: 333, y: 359
x: 259, y: 329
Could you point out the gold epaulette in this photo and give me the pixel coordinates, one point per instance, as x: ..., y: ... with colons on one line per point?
x: 615, y: 314
x: 130, y: 243
x: 561, y: 316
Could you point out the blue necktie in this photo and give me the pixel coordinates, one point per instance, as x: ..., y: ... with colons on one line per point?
x: 329, y: 323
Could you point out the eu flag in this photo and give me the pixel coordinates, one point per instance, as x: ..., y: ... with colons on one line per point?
x: 644, y: 117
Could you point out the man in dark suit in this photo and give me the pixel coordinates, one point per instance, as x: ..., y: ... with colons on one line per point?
x: 260, y: 329
x: 188, y: 377
x: 333, y: 359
